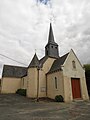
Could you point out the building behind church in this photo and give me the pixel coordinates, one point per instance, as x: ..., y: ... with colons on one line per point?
x: 50, y: 76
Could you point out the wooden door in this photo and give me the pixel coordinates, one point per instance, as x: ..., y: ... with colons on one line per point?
x: 76, y: 90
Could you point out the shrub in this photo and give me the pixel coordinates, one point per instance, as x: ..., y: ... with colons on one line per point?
x: 21, y: 92
x: 59, y: 98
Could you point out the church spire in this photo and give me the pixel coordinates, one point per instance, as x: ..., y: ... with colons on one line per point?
x: 51, y: 36
x: 51, y: 48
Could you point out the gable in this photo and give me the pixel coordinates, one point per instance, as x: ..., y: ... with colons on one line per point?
x: 68, y: 67
x: 47, y: 64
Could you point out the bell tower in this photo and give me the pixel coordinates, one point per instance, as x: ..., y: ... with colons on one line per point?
x: 51, y: 49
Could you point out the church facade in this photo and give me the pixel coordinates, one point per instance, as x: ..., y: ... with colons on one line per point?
x: 50, y: 76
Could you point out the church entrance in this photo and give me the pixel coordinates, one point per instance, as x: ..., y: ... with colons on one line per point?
x: 76, y: 90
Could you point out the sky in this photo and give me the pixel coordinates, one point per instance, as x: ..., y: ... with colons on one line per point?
x: 24, y: 29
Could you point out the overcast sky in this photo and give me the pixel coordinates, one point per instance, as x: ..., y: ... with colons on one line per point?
x: 24, y: 27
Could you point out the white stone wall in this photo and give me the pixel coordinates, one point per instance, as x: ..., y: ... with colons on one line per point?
x: 24, y: 82
x: 51, y: 90
x: 42, y: 79
x: 10, y: 84
x: 69, y: 72
x: 33, y: 78
x: 32, y: 83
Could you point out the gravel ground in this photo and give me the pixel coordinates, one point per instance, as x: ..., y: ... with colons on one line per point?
x: 15, y: 107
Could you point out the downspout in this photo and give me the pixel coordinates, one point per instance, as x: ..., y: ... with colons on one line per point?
x: 46, y: 85
x: 38, y: 84
x: 63, y: 81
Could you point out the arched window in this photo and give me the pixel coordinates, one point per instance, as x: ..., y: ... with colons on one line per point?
x: 74, y: 64
x: 56, y: 82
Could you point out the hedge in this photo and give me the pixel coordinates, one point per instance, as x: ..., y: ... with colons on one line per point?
x: 21, y: 92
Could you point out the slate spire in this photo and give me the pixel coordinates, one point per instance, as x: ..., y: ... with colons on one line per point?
x: 34, y: 62
x: 51, y: 49
x: 51, y: 36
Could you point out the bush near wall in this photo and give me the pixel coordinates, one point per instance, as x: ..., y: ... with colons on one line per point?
x: 59, y: 98
x: 21, y: 92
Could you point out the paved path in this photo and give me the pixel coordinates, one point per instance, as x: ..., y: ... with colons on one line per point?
x: 15, y: 107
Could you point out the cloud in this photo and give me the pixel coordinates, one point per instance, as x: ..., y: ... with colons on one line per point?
x: 24, y: 27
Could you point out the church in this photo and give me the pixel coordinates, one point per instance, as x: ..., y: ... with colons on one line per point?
x: 50, y: 76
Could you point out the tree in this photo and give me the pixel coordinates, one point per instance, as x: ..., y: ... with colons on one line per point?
x: 87, y: 74
x: 87, y: 67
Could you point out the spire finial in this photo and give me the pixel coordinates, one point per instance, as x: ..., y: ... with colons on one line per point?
x: 35, y: 51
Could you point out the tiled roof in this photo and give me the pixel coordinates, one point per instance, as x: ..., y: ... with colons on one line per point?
x: 34, y: 62
x: 41, y: 61
x: 57, y: 63
x: 14, y: 71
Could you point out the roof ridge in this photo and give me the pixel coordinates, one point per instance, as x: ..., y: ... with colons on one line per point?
x: 14, y: 66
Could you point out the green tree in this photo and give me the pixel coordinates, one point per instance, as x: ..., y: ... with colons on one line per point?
x: 87, y: 67
x: 87, y: 74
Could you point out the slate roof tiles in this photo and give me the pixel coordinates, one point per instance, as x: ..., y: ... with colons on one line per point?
x: 34, y: 62
x: 57, y: 63
x: 14, y: 71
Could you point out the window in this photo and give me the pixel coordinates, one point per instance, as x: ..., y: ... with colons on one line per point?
x: 52, y: 46
x: 55, y: 82
x: 74, y: 64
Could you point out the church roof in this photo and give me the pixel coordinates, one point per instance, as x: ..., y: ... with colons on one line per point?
x: 51, y: 36
x: 42, y: 60
x: 57, y: 63
x: 34, y: 62
x: 14, y: 71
